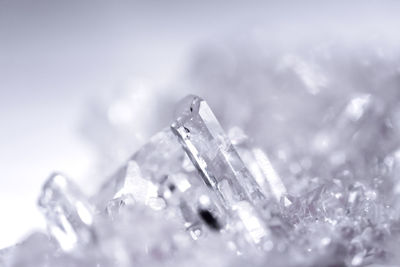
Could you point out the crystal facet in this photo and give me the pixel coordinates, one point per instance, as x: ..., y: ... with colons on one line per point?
x: 221, y: 167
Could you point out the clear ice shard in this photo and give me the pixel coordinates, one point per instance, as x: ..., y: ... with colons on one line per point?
x: 212, y: 152
x: 219, y: 164
x: 68, y: 213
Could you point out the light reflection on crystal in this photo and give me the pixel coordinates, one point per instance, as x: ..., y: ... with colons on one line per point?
x: 193, y: 194
x: 251, y: 221
x: 220, y: 165
x: 274, y: 181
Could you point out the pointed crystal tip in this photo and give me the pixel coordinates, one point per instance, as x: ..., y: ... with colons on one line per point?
x: 189, y: 104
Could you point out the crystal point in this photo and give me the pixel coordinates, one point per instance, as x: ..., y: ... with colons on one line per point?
x: 219, y: 164
x: 210, y: 149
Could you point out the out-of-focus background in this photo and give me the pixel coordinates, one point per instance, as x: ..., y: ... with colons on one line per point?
x: 83, y: 84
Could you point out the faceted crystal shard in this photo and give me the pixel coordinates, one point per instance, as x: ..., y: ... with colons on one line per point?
x: 219, y: 164
x: 160, y: 175
x: 259, y: 165
x: 269, y: 176
x: 211, y: 150
x: 143, y: 190
x: 250, y: 221
x: 68, y: 212
x: 147, y: 168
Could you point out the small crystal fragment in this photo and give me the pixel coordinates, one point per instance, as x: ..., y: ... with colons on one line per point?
x: 251, y: 221
x: 68, y: 212
x: 259, y: 165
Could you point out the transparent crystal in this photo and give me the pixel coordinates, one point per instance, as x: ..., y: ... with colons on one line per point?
x: 68, y: 213
x: 147, y: 167
x: 219, y: 164
x: 260, y: 166
x: 161, y: 176
x: 211, y: 151
x: 195, y: 196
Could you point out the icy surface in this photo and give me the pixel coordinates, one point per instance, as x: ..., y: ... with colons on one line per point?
x: 197, y: 195
x: 315, y: 182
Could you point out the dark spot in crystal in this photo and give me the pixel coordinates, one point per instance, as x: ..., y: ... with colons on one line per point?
x: 210, y: 219
x: 172, y: 187
x: 186, y: 129
x: 191, y: 109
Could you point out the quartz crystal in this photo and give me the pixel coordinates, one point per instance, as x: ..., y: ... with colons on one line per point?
x: 219, y: 164
x: 197, y: 195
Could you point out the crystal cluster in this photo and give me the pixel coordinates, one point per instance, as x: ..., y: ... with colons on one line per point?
x: 197, y: 195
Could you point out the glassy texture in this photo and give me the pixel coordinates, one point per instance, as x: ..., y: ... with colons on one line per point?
x: 219, y: 164
x: 197, y: 195
x: 68, y: 213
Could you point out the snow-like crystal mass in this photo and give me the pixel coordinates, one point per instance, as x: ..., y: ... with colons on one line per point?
x: 196, y: 195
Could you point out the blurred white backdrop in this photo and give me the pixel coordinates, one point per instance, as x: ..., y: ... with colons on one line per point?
x: 55, y: 56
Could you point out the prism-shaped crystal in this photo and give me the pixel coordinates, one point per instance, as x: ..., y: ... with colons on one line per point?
x: 219, y: 164
x: 212, y: 152
x: 68, y: 212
